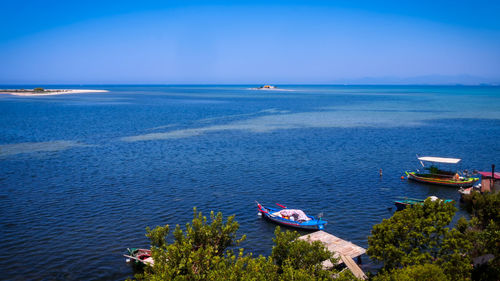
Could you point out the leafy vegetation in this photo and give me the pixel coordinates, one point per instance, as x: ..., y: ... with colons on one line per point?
x: 428, y: 272
x: 414, y: 244
x: 207, y: 251
x: 39, y: 89
x: 419, y: 235
x: 417, y: 244
x: 483, y: 230
x: 485, y: 208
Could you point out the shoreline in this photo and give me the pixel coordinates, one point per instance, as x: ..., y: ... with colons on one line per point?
x: 48, y: 92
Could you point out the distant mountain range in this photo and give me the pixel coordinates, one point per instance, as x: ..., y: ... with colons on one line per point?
x: 434, y: 79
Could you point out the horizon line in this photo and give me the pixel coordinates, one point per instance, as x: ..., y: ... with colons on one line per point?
x: 241, y: 84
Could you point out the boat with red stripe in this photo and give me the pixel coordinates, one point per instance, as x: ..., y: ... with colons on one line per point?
x: 291, y: 217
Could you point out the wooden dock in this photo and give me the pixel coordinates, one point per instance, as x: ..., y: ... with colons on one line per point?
x: 353, y: 267
x: 344, y: 250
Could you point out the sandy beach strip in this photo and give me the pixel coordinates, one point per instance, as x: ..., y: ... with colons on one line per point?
x: 51, y: 92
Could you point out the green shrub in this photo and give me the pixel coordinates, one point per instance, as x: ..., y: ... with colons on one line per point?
x: 207, y: 251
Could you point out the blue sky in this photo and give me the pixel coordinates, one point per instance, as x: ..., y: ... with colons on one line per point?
x: 295, y: 42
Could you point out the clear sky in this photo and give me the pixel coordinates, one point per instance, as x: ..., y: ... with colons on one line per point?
x: 183, y: 42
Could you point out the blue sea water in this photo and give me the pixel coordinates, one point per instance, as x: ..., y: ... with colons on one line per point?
x: 82, y: 175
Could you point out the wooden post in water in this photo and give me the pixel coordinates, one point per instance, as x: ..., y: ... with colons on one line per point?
x: 492, y: 180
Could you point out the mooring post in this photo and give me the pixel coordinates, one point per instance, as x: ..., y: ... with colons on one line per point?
x: 492, y: 180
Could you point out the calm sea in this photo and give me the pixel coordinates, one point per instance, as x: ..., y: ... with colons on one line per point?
x: 82, y: 175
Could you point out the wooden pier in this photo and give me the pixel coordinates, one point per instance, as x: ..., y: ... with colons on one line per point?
x: 345, y: 251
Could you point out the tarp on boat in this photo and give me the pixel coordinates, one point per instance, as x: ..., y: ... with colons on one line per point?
x: 298, y: 215
x: 439, y: 159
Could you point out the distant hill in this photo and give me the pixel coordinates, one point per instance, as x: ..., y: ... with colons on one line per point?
x: 433, y: 79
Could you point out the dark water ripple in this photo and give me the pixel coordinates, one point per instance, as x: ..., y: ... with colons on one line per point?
x: 68, y: 214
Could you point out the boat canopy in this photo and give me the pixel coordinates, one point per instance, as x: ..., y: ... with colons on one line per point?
x: 439, y: 159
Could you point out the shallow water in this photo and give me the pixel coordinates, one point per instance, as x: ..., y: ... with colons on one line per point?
x: 83, y: 175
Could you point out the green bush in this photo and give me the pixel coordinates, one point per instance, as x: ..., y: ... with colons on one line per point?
x: 427, y: 272
x: 420, y: 235
x: 207, y: 251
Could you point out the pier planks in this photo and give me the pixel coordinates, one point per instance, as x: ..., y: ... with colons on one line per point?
x: 342, y: 249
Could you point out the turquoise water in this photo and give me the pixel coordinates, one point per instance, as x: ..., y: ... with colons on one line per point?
x: 83, y: 175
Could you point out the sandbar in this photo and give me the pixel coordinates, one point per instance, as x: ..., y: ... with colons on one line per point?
x: 48, y: 92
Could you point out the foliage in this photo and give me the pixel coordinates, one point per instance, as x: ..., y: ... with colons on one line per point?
x: 194, y: 251
x: 158, y: 236
x: 414, y: 244
x: 39, y: 89
x: 487, y: 272
x: 205, y: 251
x: 419, y: 235
x: 485, y: 207
x: 483, y: 230
x: 428, y: 272
x: 299, y: 254
x: 410, y: 236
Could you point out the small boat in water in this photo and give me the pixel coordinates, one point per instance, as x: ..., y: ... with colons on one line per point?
x: 434, y: 175
x: 405, y: 202
x: 291, y: 217
x: 140, y: 256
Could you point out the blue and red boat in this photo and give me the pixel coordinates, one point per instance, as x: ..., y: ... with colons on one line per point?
x: 291, y: 217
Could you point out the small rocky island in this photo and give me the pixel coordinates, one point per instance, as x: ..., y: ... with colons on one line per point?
x: 267, y: 87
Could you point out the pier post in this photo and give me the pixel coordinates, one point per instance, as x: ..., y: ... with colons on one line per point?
x: 492, y: 180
